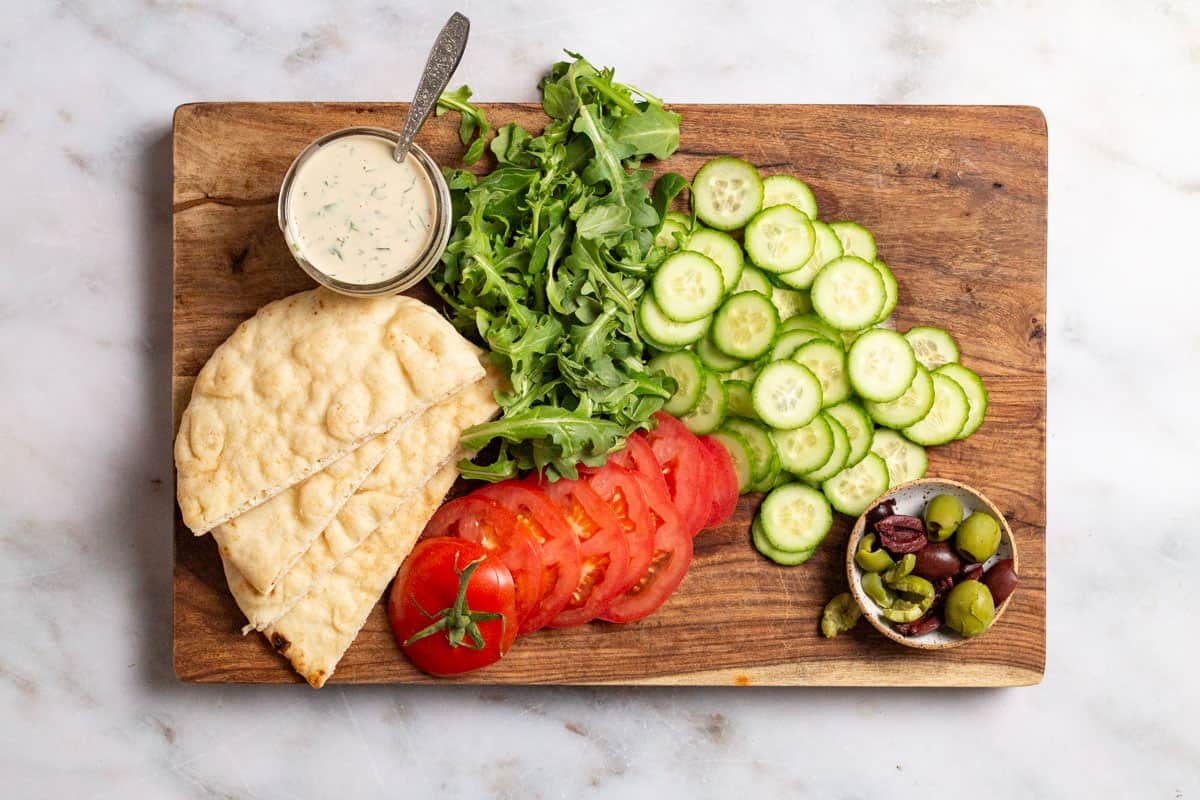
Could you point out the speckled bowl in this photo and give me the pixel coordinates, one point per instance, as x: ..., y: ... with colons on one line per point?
x: 911, y: 499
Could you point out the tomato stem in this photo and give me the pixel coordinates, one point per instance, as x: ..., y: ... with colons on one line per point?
x: 458, y: 620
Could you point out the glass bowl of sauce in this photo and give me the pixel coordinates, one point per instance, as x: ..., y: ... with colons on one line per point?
x: 359, y: 222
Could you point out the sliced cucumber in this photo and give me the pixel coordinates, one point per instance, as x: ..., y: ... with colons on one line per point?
x: 683, y: 219
x: 745, y: 326
x: 932, y: 346
x: 779, y: 239
x: 688, y: 286
x: 889, y: 286
x: 790, y: 341
x: 826, y: 247
x: 848, y: 293
x: 739, y: 452
x: 946, y: 419
x: 790, y: 302
x: 786, y: 395
x: 754, y: 280
x: 689, y: 377
x: 780, y: 189
x: 709, y: 413
x: 666, y: 334
x: 977, y: 395
x: 881, y: 365
x: 746, y: 372
x: 805, y: 448
x: 908, y: 408
x: 764, y: 461
x: 795, y: 518
x: 856, y: 240
x: 725, y: 252
x: 837, y: 459
x: 906, y: 461
x: 811, y: 322
x: 827, y: 361
x: 782, y: 557
x: 859, y: 429
x: 854, y: 489
x: 672, y: 234
x: 713, y: 358
x: 727, y: 193
x: 737, y: 400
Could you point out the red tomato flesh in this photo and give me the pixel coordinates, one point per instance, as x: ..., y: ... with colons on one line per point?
x: 685, y: 470
x: 621, y: 490
x: 724, y: 481
x: 478, y: 519
x: 603, y: 550
x: 560, y: 546
x: 427, y: 587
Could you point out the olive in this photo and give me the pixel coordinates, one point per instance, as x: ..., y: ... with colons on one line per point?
x: 978, y: 537
x: 937, y: 560
x: 942, y: 516
x: 969, y: 608
x: 1000, y: 580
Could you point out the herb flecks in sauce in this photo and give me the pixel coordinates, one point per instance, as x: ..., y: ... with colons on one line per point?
x: 349, y: 198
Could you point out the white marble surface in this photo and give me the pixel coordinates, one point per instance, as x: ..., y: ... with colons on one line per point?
x: 88, y: 704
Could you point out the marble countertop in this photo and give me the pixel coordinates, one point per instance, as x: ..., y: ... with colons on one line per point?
x: 89, y: 707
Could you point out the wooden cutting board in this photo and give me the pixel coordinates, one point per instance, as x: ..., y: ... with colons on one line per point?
x: 956, y: 197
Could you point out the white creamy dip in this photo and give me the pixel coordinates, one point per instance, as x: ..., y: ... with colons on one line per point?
x: 356, y: 214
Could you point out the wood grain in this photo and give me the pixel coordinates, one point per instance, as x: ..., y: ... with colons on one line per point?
x: 956, y: 197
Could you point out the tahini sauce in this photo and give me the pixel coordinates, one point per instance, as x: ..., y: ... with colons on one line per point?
x: 356, y: 214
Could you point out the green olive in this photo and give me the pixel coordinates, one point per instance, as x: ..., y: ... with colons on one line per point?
x: 969, y: 608
x: 942, y: 517
x: 915, y: 597
x: 841, y: 614
x: 905, y: 567
x: 872, y: 584
x: 978, y: 537
x: 870, y: 559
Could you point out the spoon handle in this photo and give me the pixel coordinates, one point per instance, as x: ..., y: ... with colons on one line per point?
x: 443, y: 59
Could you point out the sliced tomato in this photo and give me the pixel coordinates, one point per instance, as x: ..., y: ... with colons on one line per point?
x: 622, y: 490
x: 452, y: 607
x: 603, y: 550
x: 724, y: 481
x: 560, y: 546
x: 685, y: 469
x: 480, y: 520
x: 639, y: 457
x: 669, y: 561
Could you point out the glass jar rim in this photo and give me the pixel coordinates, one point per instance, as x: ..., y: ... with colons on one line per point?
x: 404, y: 278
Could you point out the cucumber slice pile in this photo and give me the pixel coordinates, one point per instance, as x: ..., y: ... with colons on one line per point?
x: 781, y: 347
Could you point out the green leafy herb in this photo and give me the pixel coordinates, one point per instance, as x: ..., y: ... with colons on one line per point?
x: 549, y: 255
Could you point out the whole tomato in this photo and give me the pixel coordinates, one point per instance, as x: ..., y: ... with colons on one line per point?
x: 453, y: 607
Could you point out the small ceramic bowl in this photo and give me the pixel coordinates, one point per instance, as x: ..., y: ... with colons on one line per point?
x: 911, y: 499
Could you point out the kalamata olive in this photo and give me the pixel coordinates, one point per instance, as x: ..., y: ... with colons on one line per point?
x: 937, y: 560
x: 926, y: 624
x: 978, y: 536
x: 971, y: 572
x: 942, y: 516
x: 900, y: 534
x: 969, y: 608
x: 885, y: 509
x: 1001, y: 579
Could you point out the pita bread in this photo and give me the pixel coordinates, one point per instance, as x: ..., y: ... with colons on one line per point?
x: 425, y: 446
x: 305, y: 381
x: 265, y: 541
x: 317, y: 632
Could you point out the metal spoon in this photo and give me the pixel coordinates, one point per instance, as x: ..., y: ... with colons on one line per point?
x: 443, y: 59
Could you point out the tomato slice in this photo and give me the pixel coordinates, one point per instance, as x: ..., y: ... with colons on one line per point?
x: 478, y: 519
x: 475, y: 629
x: 560, y: 546
x: 723, y: 479
x: 671, y: 555
x: 683, y: 465
x: 603, y: 550
x: 622, y: 490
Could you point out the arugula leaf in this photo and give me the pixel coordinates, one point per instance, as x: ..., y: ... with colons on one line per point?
x: 549, y: 254
x: 473, y: 127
